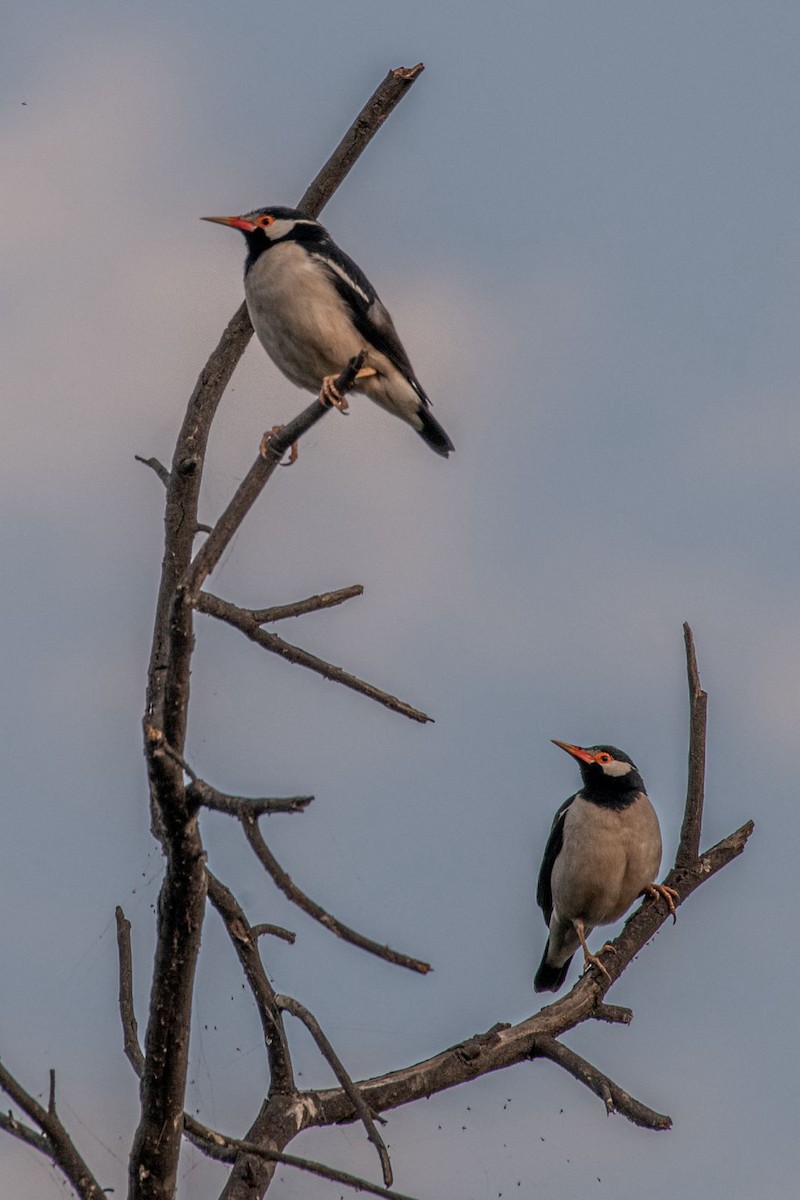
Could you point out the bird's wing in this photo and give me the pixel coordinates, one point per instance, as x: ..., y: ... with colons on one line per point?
x: 368, y: 313
x: 544, y: 890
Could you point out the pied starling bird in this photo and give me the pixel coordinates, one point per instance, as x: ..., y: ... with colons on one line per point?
x: 604, y: 851
x: 313, y: 310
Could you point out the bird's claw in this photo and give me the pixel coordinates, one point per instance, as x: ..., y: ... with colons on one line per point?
x: 265, y: 451
x: 330, y: 395
x: 668, y: 894
x: 593, y: 960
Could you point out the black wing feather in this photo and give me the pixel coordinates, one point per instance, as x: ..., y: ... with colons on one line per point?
x: 544, y: 889
x: 368, y: 313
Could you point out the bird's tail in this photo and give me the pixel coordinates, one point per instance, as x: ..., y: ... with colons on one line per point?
x: 550, y: 979
x: 431, y: 432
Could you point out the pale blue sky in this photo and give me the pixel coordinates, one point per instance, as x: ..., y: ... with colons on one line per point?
x: 584, y: 219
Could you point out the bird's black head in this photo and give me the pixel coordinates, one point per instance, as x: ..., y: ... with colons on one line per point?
x: 266, y: 227
x: 609, y: 776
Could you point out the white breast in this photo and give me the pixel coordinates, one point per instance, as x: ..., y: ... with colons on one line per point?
x: 607, y: 858
x: 298, y: 316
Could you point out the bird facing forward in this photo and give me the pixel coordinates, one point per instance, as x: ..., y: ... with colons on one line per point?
x: 313, y: 310
x: 604, y: 850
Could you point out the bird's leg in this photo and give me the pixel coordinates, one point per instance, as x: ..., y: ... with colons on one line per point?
x: 264, y: 450
x: 660, y: 890
x: 330, y: 395
x: 366, y: 373
x: 592, y: 960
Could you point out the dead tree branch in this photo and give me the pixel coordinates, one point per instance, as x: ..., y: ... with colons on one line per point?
x: 54, y: 1141
x: 689, y: 847
x: 242, y: 806
x: 290, y: 889
x: 274, y: 446
x: 154, y: 1157
x: 266, y: 616
x: 614, y: 1098
x: 245, y: 944
x: 288, y: 1004
x: 130, y: 1029
x: 243, y: 620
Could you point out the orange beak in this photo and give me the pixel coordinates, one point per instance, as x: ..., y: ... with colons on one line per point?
x: 576, y: 751
x: 234, y: 222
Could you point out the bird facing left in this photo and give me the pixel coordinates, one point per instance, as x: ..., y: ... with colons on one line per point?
x: 604, y: 851
x: 313, y: 309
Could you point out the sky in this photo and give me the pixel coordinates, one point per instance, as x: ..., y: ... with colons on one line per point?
x: 584, y: 219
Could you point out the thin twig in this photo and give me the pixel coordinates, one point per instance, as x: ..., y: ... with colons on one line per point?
x: 689, y: 845
x: 155, y: 465
x: 612, y: 1095
x: 238, y: 806
x: 314, y: 1168
x: 279, y: 612
x: 241, y: 619
x: 24, y: 1133
x: 309, y: 906
x: 614, y: 1014
x: 59, y: 1145
x: 273, y: 449
x: 289, y: 1004
x: 380, y: 104
x: 246, y: 947
x: 130, y: 1030
x: 277, y: 931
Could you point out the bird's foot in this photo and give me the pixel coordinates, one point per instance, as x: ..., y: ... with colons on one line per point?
x: 330, y: 395
x: 593, y: 960
x: 661, y: 891
x: 366, y: 373
x: 265, y: 451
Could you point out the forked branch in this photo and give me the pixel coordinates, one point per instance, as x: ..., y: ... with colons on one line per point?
x: 53, y: 1140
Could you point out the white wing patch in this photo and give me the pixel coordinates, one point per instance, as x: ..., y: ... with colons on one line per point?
x: 340, y: 271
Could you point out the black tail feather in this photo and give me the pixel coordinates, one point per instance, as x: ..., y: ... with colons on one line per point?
x: 432, y: 433
x: 550, y: 979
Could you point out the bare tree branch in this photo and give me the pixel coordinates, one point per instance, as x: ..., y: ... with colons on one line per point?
x: 266, y: 616
x: 614, y: 1098
x: 689, y: 846
x: 273, y: 448
x: 381, y: 103
x: 246, y: 946
x: 241, y: 619
x: 277, y: 931
x: 156, y: 1147
x: 204, y: 1138
x: 331, y: 1057
x: 54, y: 1141
x: 614, y: 1014
x: 315, y: 1168
x: 241, y: 806
x: 155, y: 465
x: 24, y: 1133
x: 293, y: 893
x: 130, y: 1029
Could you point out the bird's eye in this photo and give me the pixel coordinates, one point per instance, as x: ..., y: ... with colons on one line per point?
x: 603, y: 758
x: 265, y: 221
